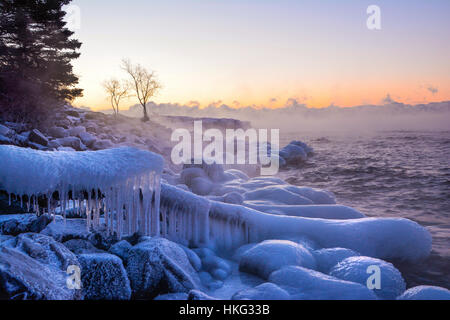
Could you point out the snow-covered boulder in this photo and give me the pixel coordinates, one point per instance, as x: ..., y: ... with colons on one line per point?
x: 209, y: 282
x: 104, y: 277
x: 70, y: 229
x: 79, y: 246
x: 233, y: 198
x: 87, y: 139
x: 158, y: 266
x: 76, y: 131
x: 194, y: 259
x: 199, y: 295
x: 271, y: 255
x: 359, y: 269
x: 33, y: 267
x: 201, y: 186
x: 328, y: 258
x: 265, y: 291
x: 23, y: 223
x: 121, y: 249
x: 25, y: 278
x: 102, y: 144
x: 71, y: 142
x: 36, y: 136
x: 173, y: 296
x: 306, y: 284
x: 293, y: 154
x: 425, y: 293
x: 58, y: 132
x: 5, y: 131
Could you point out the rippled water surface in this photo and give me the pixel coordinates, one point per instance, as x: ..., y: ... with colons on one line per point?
x: 388, y: 174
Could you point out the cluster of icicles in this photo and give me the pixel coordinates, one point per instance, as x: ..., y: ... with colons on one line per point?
x: 123, y: 209
x: 117, y: 188
x: 193, y: 220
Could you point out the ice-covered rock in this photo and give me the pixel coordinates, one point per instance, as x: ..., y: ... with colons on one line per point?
x: 271, y: 255
x: 201, y: 186
x: 216, y: 266
x: 159, y: 266
x: 102, y: 144
x: 425, y: 293
x: 358, y: 269
x: 33, y: 267
x: 5, y: 131
x: 384, y: 238
x: 76, y: 131
x: 63, y: 231
x: 23, y: 223
x: 126, y: 177
x: 328, y: 258
x: 209, y: 282
x: 25, y: 278
x: 58, y: 132
x: 306, y: 284
x: 104, y: 277
x: 265, y: 291
x: 36, y: 136
x: 87, y: 139
x: 79, y: 246
x: 194, y: 259
x: 199, y: 295
x: 173, y: 296
x: 293, y: 154
x: 71, y: 142
x: 233, y: 198
x: 121, y: 249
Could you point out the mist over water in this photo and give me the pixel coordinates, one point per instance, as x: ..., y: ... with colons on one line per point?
x: 387, y: 174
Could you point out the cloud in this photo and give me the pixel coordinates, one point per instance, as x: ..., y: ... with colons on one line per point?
x: 433, y: 90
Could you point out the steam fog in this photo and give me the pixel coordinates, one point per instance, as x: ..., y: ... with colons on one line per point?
x: 298, y: 117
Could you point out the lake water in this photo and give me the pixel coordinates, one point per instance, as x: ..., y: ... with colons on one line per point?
x: 387, y: 174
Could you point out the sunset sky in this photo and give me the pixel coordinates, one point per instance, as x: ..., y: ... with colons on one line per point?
x: 264, y: 52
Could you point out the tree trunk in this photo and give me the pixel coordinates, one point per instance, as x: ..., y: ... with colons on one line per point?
x: 145, y: 118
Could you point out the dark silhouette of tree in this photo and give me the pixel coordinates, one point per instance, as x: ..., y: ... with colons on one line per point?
x: 36, y: 50
x: 144, y: 83
x: 117, y: 91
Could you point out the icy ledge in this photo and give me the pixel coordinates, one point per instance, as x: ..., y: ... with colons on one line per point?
x: 124, y: 182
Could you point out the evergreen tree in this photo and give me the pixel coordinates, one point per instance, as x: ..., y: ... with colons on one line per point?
x: 36, y: 50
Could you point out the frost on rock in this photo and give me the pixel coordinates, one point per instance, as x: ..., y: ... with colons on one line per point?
x: 33, y: 267
x: 425, y: 293
x: 271, y: 255
x: 355, y: 269
x: 157, y: 266
x: 104, y: 277
x: 124, y: 183
x: 306, y: 284
x: 265, y: 291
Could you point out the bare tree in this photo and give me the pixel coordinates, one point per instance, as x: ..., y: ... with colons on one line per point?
x: 117, y: 91
x: 144, y: 83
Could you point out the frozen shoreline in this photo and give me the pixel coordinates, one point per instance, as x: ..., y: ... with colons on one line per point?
x: 309, y: 229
